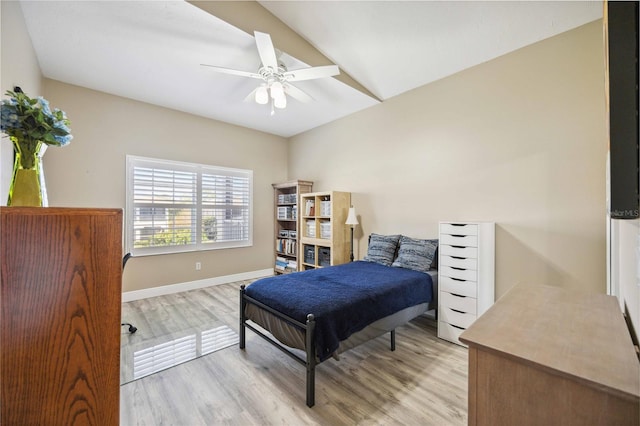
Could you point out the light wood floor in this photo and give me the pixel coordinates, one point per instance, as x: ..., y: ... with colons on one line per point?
x: 424, y: 382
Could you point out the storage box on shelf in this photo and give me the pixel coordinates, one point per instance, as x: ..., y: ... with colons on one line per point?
x: 287, y: 224
x: 325, y: 237
x: 466, y: 266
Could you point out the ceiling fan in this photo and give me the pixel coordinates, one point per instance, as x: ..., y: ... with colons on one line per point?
x: 276, y: 79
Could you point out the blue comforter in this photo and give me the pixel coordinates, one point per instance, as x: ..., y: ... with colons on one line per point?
x: 344, y: 299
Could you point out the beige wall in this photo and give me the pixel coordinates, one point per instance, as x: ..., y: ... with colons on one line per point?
x: 519, y: 140
x: 90, y: 172
x: 19, y: 68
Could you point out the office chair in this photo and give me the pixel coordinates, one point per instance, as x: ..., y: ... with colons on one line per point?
x: 132, y: 328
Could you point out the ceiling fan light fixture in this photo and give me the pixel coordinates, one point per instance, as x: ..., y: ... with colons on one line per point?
x: 262, y: 95
x: 277, y: 91
x: 280, y: 102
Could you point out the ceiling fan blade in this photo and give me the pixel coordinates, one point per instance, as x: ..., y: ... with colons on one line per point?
x: 251, y: 96
x: 296, y: 93
x: 233, y: 72
x: 311, y: 73
x: 266, y: 50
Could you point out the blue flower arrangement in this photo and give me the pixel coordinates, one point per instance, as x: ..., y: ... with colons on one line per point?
x: 31, y: 122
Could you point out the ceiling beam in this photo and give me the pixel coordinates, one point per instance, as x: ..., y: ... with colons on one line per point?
x: 250, y: 16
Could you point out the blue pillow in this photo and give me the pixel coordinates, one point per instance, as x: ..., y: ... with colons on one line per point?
x: 382, y: 249
x: 415, y: 254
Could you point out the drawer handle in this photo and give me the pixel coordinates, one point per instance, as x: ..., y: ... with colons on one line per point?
x: 458, y: 236
x: 455, y: 326
x: 458, y: 295
x: 455, y: 310
x: 458, y: 247
x: 458, y: 269
x: 458, y: 279
x: 458, y: 257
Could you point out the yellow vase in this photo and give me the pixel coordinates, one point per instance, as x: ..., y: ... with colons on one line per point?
x: 27, y: 183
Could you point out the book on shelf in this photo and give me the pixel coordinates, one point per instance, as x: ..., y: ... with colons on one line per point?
x: 281, y: 263
x: 286, y: 246
x: 309, y: 208
x: 285, y: 265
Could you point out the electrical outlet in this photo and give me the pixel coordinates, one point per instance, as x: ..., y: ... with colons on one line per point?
x: 198, y: 266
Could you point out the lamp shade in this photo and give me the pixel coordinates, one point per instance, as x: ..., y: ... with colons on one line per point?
x: 262, y: 95
x: 280, y: 102
x: 351, y: 217
x: 277, y: 91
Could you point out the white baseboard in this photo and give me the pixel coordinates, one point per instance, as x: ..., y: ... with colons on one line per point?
x: 192, y: 285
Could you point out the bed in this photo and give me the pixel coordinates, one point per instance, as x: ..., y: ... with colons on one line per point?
x: 317, y: 314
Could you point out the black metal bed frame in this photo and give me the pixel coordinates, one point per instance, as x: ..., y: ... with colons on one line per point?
x: 309, y: 327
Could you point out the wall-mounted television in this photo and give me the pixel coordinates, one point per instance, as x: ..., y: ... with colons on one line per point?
x: 624, y: 150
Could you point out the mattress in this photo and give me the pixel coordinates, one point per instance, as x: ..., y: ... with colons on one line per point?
x: 294, y: 337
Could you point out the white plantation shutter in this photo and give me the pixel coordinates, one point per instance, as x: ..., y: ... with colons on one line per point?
x: 225, y: 201
x: 174, y: 206
x: 165, y: 206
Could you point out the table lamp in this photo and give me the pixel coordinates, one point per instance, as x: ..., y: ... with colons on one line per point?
x: 352, y: 221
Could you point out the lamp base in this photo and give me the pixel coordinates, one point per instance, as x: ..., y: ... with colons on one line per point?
x: 351, y: 256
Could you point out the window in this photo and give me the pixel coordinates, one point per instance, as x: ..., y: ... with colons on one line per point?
x: 176, y: 207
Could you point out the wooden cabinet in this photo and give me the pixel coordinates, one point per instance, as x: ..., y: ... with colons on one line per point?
x: 61, y: 302
x: 325, y: 239
x: 544, y: 355
x: 466, y: 264
x: 287, y: 224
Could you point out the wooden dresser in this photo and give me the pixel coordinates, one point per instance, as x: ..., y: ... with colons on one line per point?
x: 61, y: 301
x: 544, y: 355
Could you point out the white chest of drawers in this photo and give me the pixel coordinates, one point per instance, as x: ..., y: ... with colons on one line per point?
x: 466, y: 275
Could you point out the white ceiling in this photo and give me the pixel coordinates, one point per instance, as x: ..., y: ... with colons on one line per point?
x: 151, y: 51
